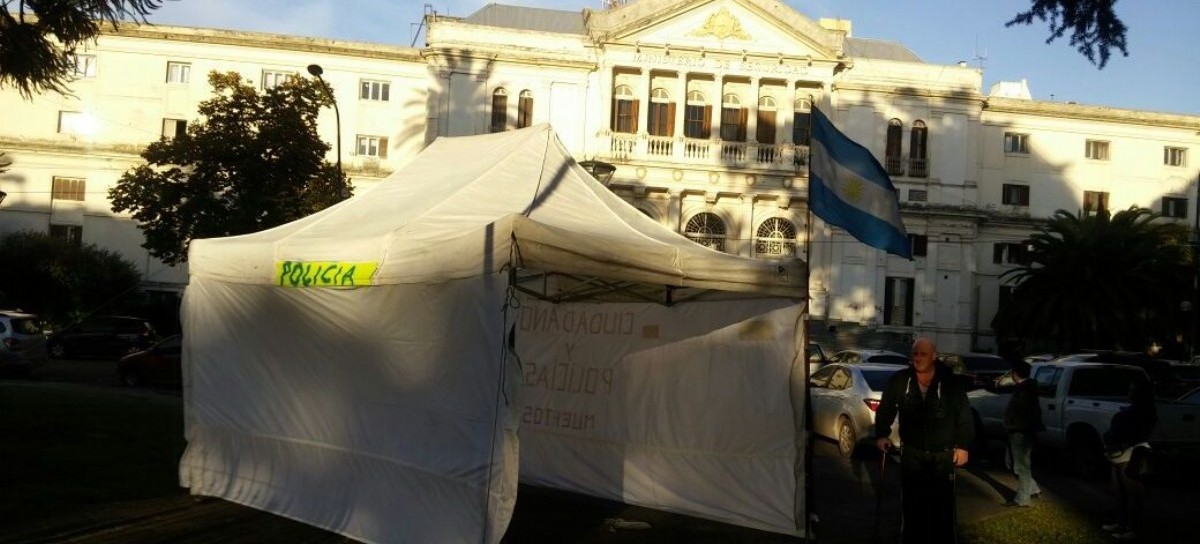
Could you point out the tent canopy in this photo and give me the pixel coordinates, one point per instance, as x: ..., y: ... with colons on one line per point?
x: 473, y: 205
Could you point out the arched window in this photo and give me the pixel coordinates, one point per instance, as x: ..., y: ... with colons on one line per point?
x: 697, y: 120
x: 775, y: 237
x: 765, y: 131
x: 707, y: 230
x: 525, y: 109
x: 662, y: 113
x: 918, y: 150
x: 499, y: 110
x: 733, y: 119
x: 624, y: 110
x: 891, y: 154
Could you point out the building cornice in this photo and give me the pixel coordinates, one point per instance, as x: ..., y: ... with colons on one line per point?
x: 261, y: 40
x: 1061, y: 110
x: 952, y: 94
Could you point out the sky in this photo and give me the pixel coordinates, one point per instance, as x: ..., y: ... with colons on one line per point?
x: 1161, y: 73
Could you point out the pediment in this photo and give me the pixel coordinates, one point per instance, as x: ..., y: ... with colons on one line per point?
x: 756, y: 26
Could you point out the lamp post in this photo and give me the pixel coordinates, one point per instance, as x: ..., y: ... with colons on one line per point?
x: 602, y: 171
x: 316, y: 71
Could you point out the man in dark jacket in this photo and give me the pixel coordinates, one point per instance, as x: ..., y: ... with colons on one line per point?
x: 1023, y: 420
x: 935, y: 428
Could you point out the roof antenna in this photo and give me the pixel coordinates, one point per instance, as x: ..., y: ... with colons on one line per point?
x: 980, y: 58
x: 429, y: 15
x: 613, y: 4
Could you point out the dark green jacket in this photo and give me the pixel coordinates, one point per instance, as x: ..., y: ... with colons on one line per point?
x: 1024, y: 412
x: 939, y: 421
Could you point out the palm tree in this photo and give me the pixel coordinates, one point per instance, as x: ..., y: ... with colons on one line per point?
x: 1099, y: 280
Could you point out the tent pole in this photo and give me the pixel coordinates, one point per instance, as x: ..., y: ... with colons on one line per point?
x: 808, y: 419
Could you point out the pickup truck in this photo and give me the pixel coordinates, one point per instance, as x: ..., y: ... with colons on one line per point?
x: 1078, y: 401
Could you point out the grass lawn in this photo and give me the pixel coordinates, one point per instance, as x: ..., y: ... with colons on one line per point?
x: 66, y: 448
x: 1043, y: 523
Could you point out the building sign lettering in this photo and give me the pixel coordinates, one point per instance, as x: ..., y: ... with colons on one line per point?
x: 720, y: 65
x: 324, y: 273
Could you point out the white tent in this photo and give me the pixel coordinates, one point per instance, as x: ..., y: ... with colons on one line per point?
x: 370, y: 368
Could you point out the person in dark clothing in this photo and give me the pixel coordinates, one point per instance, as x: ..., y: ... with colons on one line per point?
x: 1126, y: 446
x: 1023, y: 420
x: 935, y: 429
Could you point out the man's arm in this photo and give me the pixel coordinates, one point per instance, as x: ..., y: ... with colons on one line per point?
x: 886, y: 413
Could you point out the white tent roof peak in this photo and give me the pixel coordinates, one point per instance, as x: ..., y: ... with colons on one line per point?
x: 473, y: 205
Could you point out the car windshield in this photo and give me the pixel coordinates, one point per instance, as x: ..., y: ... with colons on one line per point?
x: 877, y: 379
x: 25, y: 326
x: 888, y: 359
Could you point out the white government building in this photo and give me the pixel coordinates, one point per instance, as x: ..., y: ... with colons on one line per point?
x: 701, y: 105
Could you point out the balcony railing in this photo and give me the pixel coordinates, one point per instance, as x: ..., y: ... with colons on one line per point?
x: 918, y: 167
x: 785, y: 157
x: 623, y: 145
x: 894, y: 166
x: 660, y: 146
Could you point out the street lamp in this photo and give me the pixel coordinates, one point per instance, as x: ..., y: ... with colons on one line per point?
x: 602, y: 171
x: 316, y: 71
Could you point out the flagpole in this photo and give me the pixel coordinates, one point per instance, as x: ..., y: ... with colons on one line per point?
x: 808, y: 418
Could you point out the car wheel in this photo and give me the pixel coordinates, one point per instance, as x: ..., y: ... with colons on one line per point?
x: 57, y: 350
x: 847, y: 438
x: 130, y: 377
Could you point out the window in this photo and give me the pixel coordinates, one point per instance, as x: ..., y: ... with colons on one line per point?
x: 525, y: 109
x: 1175, y: 207
x: 274, y: 78
x: 918, y: 195
x: 624, y: 111
x: 85, y: 65
x: 697, y: 116
x: 1096, y: 150
x: 891, y: 154
x: 1095, y: 201
x: 801, y: 121
x: 70, y: 122
x: 1047, y: 380
x: 1174, y: 156
x: 662, y: 114
x: 820, y: 378
x: 840, y: 379
x: 374, y: 90
x: 733, y: 119
x: 919, y: 244
x: 1015, y: 142
x: 67, y: 188
x: 1011, y: 253
x: 918, y: 150
x: 1015, y: 194
x: 73, y: 234
x: 174, y: 128
x: 765, y: 131
x: 499, y: 110
x: 372, y: 146
x: 776, y: 237
x: 179, y: 72
x: 707, y: 230
x: 898, y: 301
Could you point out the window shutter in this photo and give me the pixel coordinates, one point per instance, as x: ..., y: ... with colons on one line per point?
x: 612, y: 116
x: 706, y: 130
x: 671, y: 119
x: 743, y: 116
x: 889, y: 295
x: 383, y: 147
x: 908, y: 303
x: 634, y: 112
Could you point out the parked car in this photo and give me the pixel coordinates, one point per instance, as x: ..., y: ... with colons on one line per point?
x: 844, y: 400
x: 816, y: 357
x: 856, y: 356
x: 22, y: 344
x: 977, y: 370
x: 1191, y: 397
x: 1078, y: 400
x: 160, y: 364
x: 108, y: 337
x: 1163, y: 376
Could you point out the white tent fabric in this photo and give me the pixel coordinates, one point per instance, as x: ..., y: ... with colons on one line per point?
x: 350, y: 369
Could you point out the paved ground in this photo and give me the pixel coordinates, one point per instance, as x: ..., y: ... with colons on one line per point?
x: 845, y: 502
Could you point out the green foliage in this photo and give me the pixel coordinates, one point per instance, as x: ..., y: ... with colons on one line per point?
x: 1045, y: 522
x: 1095, y: 28
x: 59, y: 281
x: 254, y: 162
x: 1099, y: 280
x: 39, y: 38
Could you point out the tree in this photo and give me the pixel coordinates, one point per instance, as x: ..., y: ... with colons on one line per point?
x: 59, y: 280
x: 1095, y: 28
x: 254, y: 162
x: 39, y: 40
x: 1099, y: 280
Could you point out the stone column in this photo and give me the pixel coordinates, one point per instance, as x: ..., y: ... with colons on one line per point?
x: 680, y: 113
x: 747, y: 230
x: 643, y: 123
x: 752, y: 114
x: 675, y: 211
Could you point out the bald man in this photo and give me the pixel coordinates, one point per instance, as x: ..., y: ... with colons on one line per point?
x: 935, y: 429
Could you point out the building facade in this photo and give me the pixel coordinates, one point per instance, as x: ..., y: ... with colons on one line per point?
x: 701, y: 105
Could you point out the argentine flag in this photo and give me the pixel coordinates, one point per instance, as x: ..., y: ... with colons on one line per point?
x: 849, y: 189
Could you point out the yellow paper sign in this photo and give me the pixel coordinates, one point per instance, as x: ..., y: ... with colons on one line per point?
x: 324, y: 273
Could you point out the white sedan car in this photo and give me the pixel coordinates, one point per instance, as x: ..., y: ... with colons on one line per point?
x: 844, y: 400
